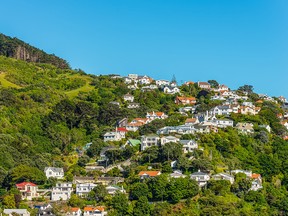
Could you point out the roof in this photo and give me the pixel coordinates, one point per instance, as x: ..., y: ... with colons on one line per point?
x: 18, y: 211
x: 57, y: 169
x: 203, y: 83
x: 186, y: 98
x: 134, y: 142
x: 136, y: 124
x: 23, y: 184
x: 150, y: 173
x: 121, y: 129
x: 91, y: 208
x: 190, y: 120
x: 255, y: 176
x: 198, y: 173
x: 75, y: 209
x: 156, y: 113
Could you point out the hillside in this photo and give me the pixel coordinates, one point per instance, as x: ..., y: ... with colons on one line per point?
x: 58, y: 117
x: 15, y: 48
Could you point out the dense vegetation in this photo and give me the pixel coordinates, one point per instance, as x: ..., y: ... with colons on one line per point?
x: 15, y: 48
x: 47, y: 113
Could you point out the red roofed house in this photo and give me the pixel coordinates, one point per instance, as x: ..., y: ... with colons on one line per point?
x: 149, y: 174
x: 122, y: 132
x: 185, y: 100
x: 94, y: 211
x: 156, y: 115
x: 191, y: 121
x: 28, y: 190
x: 74, y: 211
x: 256, y: 182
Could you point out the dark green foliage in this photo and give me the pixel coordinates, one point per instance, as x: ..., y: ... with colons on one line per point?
x: 10, y: 47
x: 120, y: 204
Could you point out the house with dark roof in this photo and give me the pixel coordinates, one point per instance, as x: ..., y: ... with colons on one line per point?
x: 200, y: 177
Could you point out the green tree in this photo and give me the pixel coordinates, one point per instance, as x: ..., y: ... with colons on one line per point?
x: 98, y: 193
x: 142, y: 207
x: 138, y: 190
x: 120, y: 204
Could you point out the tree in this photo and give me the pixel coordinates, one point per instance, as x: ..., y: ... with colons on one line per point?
x: 219, y: 187
x: 83, y: 160
x: 98, y: 193
x: 246, y: 88
x: 75, y: 201
x: 213, y: 83
x: 95, y: 148
x: 138, y: 190
x: 120, y: 204
x: 142, y: 207
x: 171, y: 151
x: 9, y: 201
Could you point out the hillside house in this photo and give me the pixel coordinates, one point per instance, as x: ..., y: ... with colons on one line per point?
x: 133, y: 105
x: 191, y: 121
x: 113, y: 189
x: 221, y: 88
x: 62, y: 191
x: 13, y: 212
x: 224, y: 176
x: 185, y: 100
x: 74, y: 212
x: 83, y: 189
x: 188, y: 145
x: 54, y: 172
x: 133, y: 126
x: 128, y: 97
x: 244, y: 127
x: 200, y: 177
x: 148, y: 141
x: 162, y: 83
x: 177, y: 174
x: 156, y: 115
x: 222, y: 123
x: 94, y: 211
x: 148, y: 174
x: 204, y: 85
x: 45, y: 209
x: 144, y: 80
x: 169, y: 139
x: 181, y: 129
x: 171, y: 90
x: 28, y: 190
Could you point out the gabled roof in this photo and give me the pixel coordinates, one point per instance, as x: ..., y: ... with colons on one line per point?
x: 255, y: 176
x: 91, y: 208
x: 191, y: 120
x: 55, y: 169
x: 134, y: 142
x: 150, y: 173
x: 75, y: 209
x: 198, y: 173
x: 23, y: 184
x: 122, y: 129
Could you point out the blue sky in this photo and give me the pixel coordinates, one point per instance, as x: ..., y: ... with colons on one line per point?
x: 236, y: 42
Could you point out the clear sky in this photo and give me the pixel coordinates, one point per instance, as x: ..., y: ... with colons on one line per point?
x: 236, y: 42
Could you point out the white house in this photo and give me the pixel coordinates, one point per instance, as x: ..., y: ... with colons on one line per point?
x: 200, y: 177
x: 221, y: 88
x: 83, y: 189
x: 204, y: 85
x: 74, y: 212
x: 133, y: 105
x: 113, y: 189
x: 171, y: 90
x: 133, y: 76
x: 156, y: 115
x: 169, y: 139
x: 188, y: 145
x: 112, y: 136
x: 54, y: 172
x: 223, y: 123
x: 128, y: 97
x: 267, y: 127
x: 224, y: 176
x: 12, y: 212
x: 94, y: 211
x: 148, y: 141
x: 245, y: 127
x: 134, y: 126
x: 177, y: 174
x: 62, y: 191
x: 162, y: 83
x: 144, y: 80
